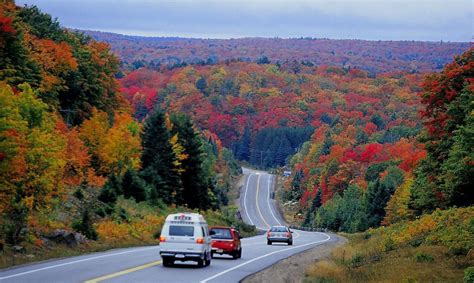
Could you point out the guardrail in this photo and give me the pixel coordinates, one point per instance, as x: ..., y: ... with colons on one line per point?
x: 309, y: 229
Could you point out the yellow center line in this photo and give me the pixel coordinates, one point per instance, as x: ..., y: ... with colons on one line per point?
x: 123, y: 272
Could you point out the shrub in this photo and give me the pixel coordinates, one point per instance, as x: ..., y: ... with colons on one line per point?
x: 357, y: 260
x: 469, y: 275
x: 85, y: 227
x: 423, y: 257
x: 388, y: 244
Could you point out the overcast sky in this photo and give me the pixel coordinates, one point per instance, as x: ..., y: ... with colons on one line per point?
x: 448, y: 20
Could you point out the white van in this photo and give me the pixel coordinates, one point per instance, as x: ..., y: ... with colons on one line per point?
x: 185, y: 236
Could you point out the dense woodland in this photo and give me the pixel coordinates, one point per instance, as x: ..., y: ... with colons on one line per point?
x: 265, y: 113
x: 371, y: 56
x: 73, y: 157
x: 373, y: 136
x: 403, y: 173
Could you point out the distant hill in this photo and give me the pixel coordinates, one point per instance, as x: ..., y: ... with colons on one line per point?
x: 372, y: 56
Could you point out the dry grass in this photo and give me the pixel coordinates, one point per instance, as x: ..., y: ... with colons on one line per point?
x: 364, y: 260
x: 234, y: 193
x: 326, y: 269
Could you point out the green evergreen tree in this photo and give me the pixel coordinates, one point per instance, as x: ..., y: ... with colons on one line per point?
x: 317, y: 201
x: 201, y: 85
x: 85, y: 227
x: 379, y: 193
x: 111, y: 189
x: 196, y: 184
x: 158, y: 159
x: 353, y: 217
x: 243, y: 149
x: 133, y: 186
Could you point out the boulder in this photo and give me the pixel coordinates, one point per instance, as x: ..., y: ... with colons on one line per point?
x: 66, y: 237
x: 18, y: 249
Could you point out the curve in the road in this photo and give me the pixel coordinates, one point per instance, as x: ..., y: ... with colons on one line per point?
x: 245, y: 200
x: 257, y: 204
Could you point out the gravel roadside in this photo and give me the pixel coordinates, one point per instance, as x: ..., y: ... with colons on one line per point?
x: 293, y: 269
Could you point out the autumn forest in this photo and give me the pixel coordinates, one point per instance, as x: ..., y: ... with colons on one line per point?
x: 104, y: 134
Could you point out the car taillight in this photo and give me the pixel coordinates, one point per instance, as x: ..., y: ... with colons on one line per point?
x: 269, y: 234
x: 288, y: 234
x: 200, y: 240
x: 162, y: 239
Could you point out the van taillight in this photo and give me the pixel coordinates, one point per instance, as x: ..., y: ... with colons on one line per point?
x: 162, y: 239
x: 200, y: 240
x: 269, y: 234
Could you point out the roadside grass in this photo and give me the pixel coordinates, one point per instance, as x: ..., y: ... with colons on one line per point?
x: 233, y: 194
x: 432, y: 256
x: 290, y: 212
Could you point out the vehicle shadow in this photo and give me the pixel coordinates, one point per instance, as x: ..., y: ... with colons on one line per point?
x: 223, y: 258
x: 183, y: 265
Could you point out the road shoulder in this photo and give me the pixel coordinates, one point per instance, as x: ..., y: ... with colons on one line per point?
x: 292, y: 269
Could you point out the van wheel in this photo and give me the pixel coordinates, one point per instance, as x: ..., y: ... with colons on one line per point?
x: 200, y: 262
x: 207, y: 259
x: 290, y: 243
x: 269, y: 242
x: 240, y: 253
x: 235, y: 254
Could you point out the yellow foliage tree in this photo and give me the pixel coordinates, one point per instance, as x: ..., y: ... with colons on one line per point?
x: 32, y: 158
x: 121, y: 148
x: 397, y: 207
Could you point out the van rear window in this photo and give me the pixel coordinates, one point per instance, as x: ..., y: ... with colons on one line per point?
x: 176, y: 230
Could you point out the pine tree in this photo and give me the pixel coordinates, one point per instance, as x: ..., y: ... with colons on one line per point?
x: 133, y: 186
x: 111, y: 190
x: 196, y: 185
x: 243, y: 150
x: 317, y: 201
x: 379, y: 193
x: 158, y: 159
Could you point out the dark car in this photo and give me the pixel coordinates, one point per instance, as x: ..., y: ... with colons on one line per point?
x: 280, y: 234
x: 226, y: 240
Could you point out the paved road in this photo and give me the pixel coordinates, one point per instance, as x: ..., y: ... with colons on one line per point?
x: 256, y: 200
x: 144, y: 264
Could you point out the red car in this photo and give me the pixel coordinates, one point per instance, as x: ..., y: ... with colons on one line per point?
x: 226, y: 240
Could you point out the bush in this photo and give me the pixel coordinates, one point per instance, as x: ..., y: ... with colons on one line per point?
x: 469, y: 275
x: 389, y: 244
x: 357, y: 260
x: 423, y: 257
x: 85, y: 227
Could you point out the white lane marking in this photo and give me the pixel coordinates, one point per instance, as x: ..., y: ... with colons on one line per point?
x: 256, y: 202
x: 245, y: 199
x: 268, y: 199
x: 72, y: 262
x: 263, y: 256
